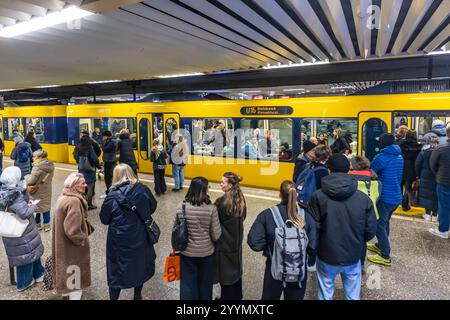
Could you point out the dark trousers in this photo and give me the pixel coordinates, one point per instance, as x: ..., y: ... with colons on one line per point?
x: 196, y: 278
x: 231, y: 292
x: 272, y: 289
x: 114, y: 293
x: 160, y: 181
x: 90, y: 192
x: 109, y: 169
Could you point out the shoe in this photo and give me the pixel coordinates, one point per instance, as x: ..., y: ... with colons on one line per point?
x: 39, y: 227
x: 92, y: 208
x: 434, y: 219
x: 29, y: 286
x: 436, y: 232
x: 372, y: 247
x: 311, y: 268
x: 138, y: 297
x: 40, y: 279
x: 103, y: 196
x: 47, y: 227
x: 376, y: 258
x: 175, y: 190
x: 427, y: 217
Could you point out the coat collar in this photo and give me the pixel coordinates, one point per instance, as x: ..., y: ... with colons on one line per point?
x: 71, y: 193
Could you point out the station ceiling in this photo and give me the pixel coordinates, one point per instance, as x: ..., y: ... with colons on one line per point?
x: 128, y: 40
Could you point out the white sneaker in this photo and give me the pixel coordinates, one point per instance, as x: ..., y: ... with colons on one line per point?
x: 29, y: 286
x: 436, y: 232
x: 426, y: 216
x: 103, y: 196
x: 312, y: 268
x: 434, y: 218
x: 40, y: 279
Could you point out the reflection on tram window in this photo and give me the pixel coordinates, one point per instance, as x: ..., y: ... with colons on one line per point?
x: 213, y: 137
x: 324, y: 131
x: 171, y: 127
x: 119, y: 125
x: 36, y: 125
x: 15, y: 128
x: 266, y: 139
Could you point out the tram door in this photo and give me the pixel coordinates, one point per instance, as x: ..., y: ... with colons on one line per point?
x: 371, y: 126
x: 144, y: 121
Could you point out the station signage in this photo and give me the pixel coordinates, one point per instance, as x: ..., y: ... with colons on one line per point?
x: 266, y: 111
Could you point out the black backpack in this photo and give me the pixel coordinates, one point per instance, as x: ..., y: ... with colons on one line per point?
x: 180, y: 234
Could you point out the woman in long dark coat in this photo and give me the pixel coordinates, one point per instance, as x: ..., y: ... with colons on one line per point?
x: 427, y: 183
x: 130, y: 258
x: 410, y: 150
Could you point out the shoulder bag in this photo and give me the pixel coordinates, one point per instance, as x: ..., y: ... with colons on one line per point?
x: 32, y: 189
x: 180, y: 234
x: 11, y: 226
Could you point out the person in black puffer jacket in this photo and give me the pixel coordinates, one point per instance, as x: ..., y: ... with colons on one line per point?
x: 158, y: 156
x: 303, y: 159
x: 126, y: 150
x: 109, y: 147
x: 410, y: 150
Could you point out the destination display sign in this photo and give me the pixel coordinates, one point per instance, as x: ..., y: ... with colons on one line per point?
x: 266, y: 111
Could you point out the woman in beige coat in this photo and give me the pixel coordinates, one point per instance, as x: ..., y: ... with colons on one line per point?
x: 70, y: 242
x: 41, y: 179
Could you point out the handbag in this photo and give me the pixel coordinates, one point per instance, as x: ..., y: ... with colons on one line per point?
x: 49, y: 281
x: 32, y: 189
x: 89, y: 226
x: 180, y: 234
x: 85, y: 165
x: 11, y: 226
x: 172, y: 268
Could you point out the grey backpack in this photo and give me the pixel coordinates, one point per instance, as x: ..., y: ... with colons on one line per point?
x: 289, y: 250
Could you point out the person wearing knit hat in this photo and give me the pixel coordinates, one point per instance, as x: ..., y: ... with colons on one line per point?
x: 303, y: 159
x: 438, y: 129
x: 347, y: 221
x: 388, y: 165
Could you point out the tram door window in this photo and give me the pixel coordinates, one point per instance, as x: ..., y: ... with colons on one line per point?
x: 15, y: 127
x: 36, y: 125
x: 116, y: 125
x: 89, y: 125
x: 171, y: 128
x: 158, y: 130
x: 267, y: 139
x: 213, y: 137
x: 144, y: 138
x: 422, y: 123
x: 322, y: 130
x: 371, y: 131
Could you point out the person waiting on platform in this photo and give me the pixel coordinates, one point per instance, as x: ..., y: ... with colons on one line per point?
x: 262, y: 238
x: 110, y: 153
x: 197, y: 260
x: 346, y: 220
x: 70, y: 241
x: 303, y: 159
x: 410, y: 150
x: 126, y: 150
x: 31, y: 139
x: 340, y: 144
x: 179, y: 157
x: 23, y: 252
x: 2, y: 149
x: 97, y: 136
x: 159, y: 158
x: 130, y: 257
x: 22, y: 155
x: 232, y: 211
x: 39, y: 184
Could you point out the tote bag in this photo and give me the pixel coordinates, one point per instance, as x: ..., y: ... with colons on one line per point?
x: 172, y: 268
x: 12, y: 226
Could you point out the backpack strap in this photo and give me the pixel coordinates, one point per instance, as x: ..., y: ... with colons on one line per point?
x: 367, y: 183
x: 277, y: 216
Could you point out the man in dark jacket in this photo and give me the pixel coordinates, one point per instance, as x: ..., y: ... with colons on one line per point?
x: 303, y: 159
x: 126, y: 150
x: 109, y: 148
x: 347, y: 221
x: 97, y: 136
x: 388, y: 165
x: 440, y: 165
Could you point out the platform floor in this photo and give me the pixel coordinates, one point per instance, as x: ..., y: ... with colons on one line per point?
x: 420, y: 269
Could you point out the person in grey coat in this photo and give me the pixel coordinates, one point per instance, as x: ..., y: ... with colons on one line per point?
x: 23, y: 252
x: 438, y: 130
x: 22, y: 154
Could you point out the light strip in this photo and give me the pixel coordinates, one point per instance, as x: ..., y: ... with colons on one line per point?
x: 7, y: 90
x: 105, y: 81
x: 439, y: 52
x: 49, y: 86
x: 291, y: 65
x: 52, y: 19
x: 299, y: 89
x: 181, y: 75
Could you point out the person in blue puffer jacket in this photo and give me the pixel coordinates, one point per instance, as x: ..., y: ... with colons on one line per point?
x: 388, y: 165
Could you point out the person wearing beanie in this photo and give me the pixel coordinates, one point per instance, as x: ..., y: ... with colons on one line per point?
x: 437, y: 129
x: 109, y: 147
x: 388, y: 165
x: 303, y: 159
x: 346, y: 220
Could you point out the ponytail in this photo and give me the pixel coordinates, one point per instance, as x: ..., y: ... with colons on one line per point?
x: 289, y: 193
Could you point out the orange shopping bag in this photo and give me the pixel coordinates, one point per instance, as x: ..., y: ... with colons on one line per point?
x: 172, y: 267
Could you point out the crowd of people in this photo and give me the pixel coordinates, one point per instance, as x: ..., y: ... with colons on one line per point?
x: 330, y: 191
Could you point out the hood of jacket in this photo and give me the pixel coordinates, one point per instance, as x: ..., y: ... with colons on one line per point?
x: 392, y: 150
x: 8, y: 195
x: 339, y: 186
x: 440, y: 130
x: 124, y: 136
x: 45, y: 165
x: 122, y: 191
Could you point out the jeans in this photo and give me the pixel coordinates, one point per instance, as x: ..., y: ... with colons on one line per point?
x: 197, y: 275
x: 46, y: 218
x: 28, y: 272
x: 385, y: 211
x: 443, y: 193
x: 350, y: 275
x: 178, y: 176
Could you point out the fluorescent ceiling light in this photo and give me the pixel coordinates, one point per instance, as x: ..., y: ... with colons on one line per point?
x: 253, y: 91
x: 50, y: 20
x: 439, y: 52
x: 343, y: 87
x: 181, y: 75
x: 299, y: 89
x: 49, y: 86
x: 104, y: 81
x: 291, y: 65
x: 6, y: 90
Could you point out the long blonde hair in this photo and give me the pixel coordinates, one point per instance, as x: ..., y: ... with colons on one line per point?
x: 122, y: 173
x: 233, y: 201
x: 288, y: 194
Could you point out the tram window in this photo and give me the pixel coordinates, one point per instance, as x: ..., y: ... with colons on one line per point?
x: 144, y: 138
x: 213, y: 137
x: 171, y: 127
x: 158, y: 132
x: 15, y: 127
x: 322, y: 130
x: 89, y: 125
x: 116, y: 125
x: 36, y: 125
x: 267, y: 139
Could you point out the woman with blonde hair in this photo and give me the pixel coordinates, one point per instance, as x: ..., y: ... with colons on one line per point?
x: 130, y: 256
x: 232, y: 211
x: 262, y: 237
x: 158, y: 156
x: 70, y: 239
